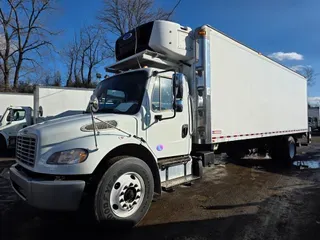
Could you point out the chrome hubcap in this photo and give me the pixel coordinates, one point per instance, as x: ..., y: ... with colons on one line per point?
x: 291, y: 150
x: 127, y: 194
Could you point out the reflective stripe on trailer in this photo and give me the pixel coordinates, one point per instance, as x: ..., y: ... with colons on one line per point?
x: 262, y: 134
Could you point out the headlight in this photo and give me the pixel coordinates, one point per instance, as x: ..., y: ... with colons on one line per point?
x: 72, y: 156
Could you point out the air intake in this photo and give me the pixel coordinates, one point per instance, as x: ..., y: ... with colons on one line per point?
x: 100, y: 126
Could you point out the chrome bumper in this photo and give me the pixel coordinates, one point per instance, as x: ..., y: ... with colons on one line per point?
x: 44, y: 194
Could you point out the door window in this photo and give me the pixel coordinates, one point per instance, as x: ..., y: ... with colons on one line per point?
x: 162, y: 97
x: 19, y: 115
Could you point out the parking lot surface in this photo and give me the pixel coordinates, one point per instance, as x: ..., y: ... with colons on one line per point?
x: 251, y: 199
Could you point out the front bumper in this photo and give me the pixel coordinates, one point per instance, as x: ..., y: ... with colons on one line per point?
x: 47, y: 194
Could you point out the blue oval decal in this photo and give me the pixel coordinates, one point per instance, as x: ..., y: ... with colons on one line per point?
x: 127, y: 36
x: 160, y: 147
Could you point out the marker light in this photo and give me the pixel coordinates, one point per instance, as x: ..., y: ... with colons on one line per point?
x: 202, y: 32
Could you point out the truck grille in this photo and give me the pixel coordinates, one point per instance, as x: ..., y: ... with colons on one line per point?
x: 26, y: 150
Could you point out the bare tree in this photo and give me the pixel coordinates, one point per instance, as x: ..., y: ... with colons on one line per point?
x: 309, y: 74
x: 57, y: 79
x: 23, y: 33
x: 83, y: 54
x: 120, y: 16
x: 95, y: 52
x: 69, y: 58
x: 7, y: 48
x: 84, y: 46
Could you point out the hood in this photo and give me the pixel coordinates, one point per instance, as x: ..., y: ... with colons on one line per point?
x: 76, y: 126
x: 3, y: 127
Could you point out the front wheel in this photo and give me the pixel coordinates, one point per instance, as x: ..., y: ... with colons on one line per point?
x: 3, y: 145
x: 124, y: 193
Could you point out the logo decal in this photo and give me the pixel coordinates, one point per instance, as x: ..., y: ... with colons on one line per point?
x: 160, y: 147
x: 127, y: 36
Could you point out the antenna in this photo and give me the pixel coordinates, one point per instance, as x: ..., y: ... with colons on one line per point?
x: 136, y: 45
x: 174, y: 8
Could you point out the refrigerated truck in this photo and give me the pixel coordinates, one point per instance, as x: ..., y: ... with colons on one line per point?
x: 46, y: 103
x: 177, y: 98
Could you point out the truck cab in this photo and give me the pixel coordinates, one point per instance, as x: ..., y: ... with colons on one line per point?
x: 133, y: 141
x: 13, y: 120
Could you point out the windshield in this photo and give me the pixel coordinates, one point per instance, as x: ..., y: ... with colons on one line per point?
x: 2, y: 119
x: 122, y: 93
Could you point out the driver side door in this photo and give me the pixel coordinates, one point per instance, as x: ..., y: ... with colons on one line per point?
x: 18, y: 122
x: 168, y: 137
x: 14, y: 125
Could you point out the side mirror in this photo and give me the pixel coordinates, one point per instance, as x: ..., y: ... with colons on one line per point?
x: 178, y: 85
x: 10, y: 116
x: 94, y: 103
x: 40, y: 111
x: 179, y: 106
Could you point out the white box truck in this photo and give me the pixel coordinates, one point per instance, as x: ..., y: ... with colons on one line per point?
x: 14, y: 99
x: 178, y: 97
x: 46, y: 103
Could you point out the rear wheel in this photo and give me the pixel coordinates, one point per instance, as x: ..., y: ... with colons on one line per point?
x: 290, y: 149
x: 284, y: 150
x: 124, y: 193
x: 236, y: 152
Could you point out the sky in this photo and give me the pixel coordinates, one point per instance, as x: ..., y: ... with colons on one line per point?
x: 286, y: 30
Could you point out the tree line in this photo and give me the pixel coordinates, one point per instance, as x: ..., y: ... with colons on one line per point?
x: 25, y: 39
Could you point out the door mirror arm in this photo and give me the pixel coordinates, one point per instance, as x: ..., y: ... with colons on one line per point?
x: 177, y: 91
x: 158, y: 117
x: 174, y: 91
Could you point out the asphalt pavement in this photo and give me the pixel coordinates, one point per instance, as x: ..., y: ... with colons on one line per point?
x: 251, y: 199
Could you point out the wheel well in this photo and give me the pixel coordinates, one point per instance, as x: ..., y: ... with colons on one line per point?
x: 138, y: 151
x: 3, y: 140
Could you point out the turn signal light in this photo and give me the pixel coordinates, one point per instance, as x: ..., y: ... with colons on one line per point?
x: 202, y: 32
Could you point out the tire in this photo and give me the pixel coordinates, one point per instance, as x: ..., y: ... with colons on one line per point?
x: 3, y: 145
x: 290, y: 150
x: 284, y: 150
x: 236, y: 154
x: 124, y: 193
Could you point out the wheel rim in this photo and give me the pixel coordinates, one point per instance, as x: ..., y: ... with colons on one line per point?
x: 291, y: 150
x: 127, y: 194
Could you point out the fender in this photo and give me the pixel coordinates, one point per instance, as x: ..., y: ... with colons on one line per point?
x: 139, y: 151
x: 5, y: 137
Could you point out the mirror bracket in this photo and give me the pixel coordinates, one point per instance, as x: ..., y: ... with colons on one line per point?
x: 94, y: 103
x: 158, y: 117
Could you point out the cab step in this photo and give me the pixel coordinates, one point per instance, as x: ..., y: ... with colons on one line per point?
x: 178, y: 181
x: 174, y: 161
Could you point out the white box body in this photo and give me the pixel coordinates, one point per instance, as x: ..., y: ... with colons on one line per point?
x: 250, y: 95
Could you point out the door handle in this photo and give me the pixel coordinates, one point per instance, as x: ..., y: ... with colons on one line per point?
x: 184, y: 131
